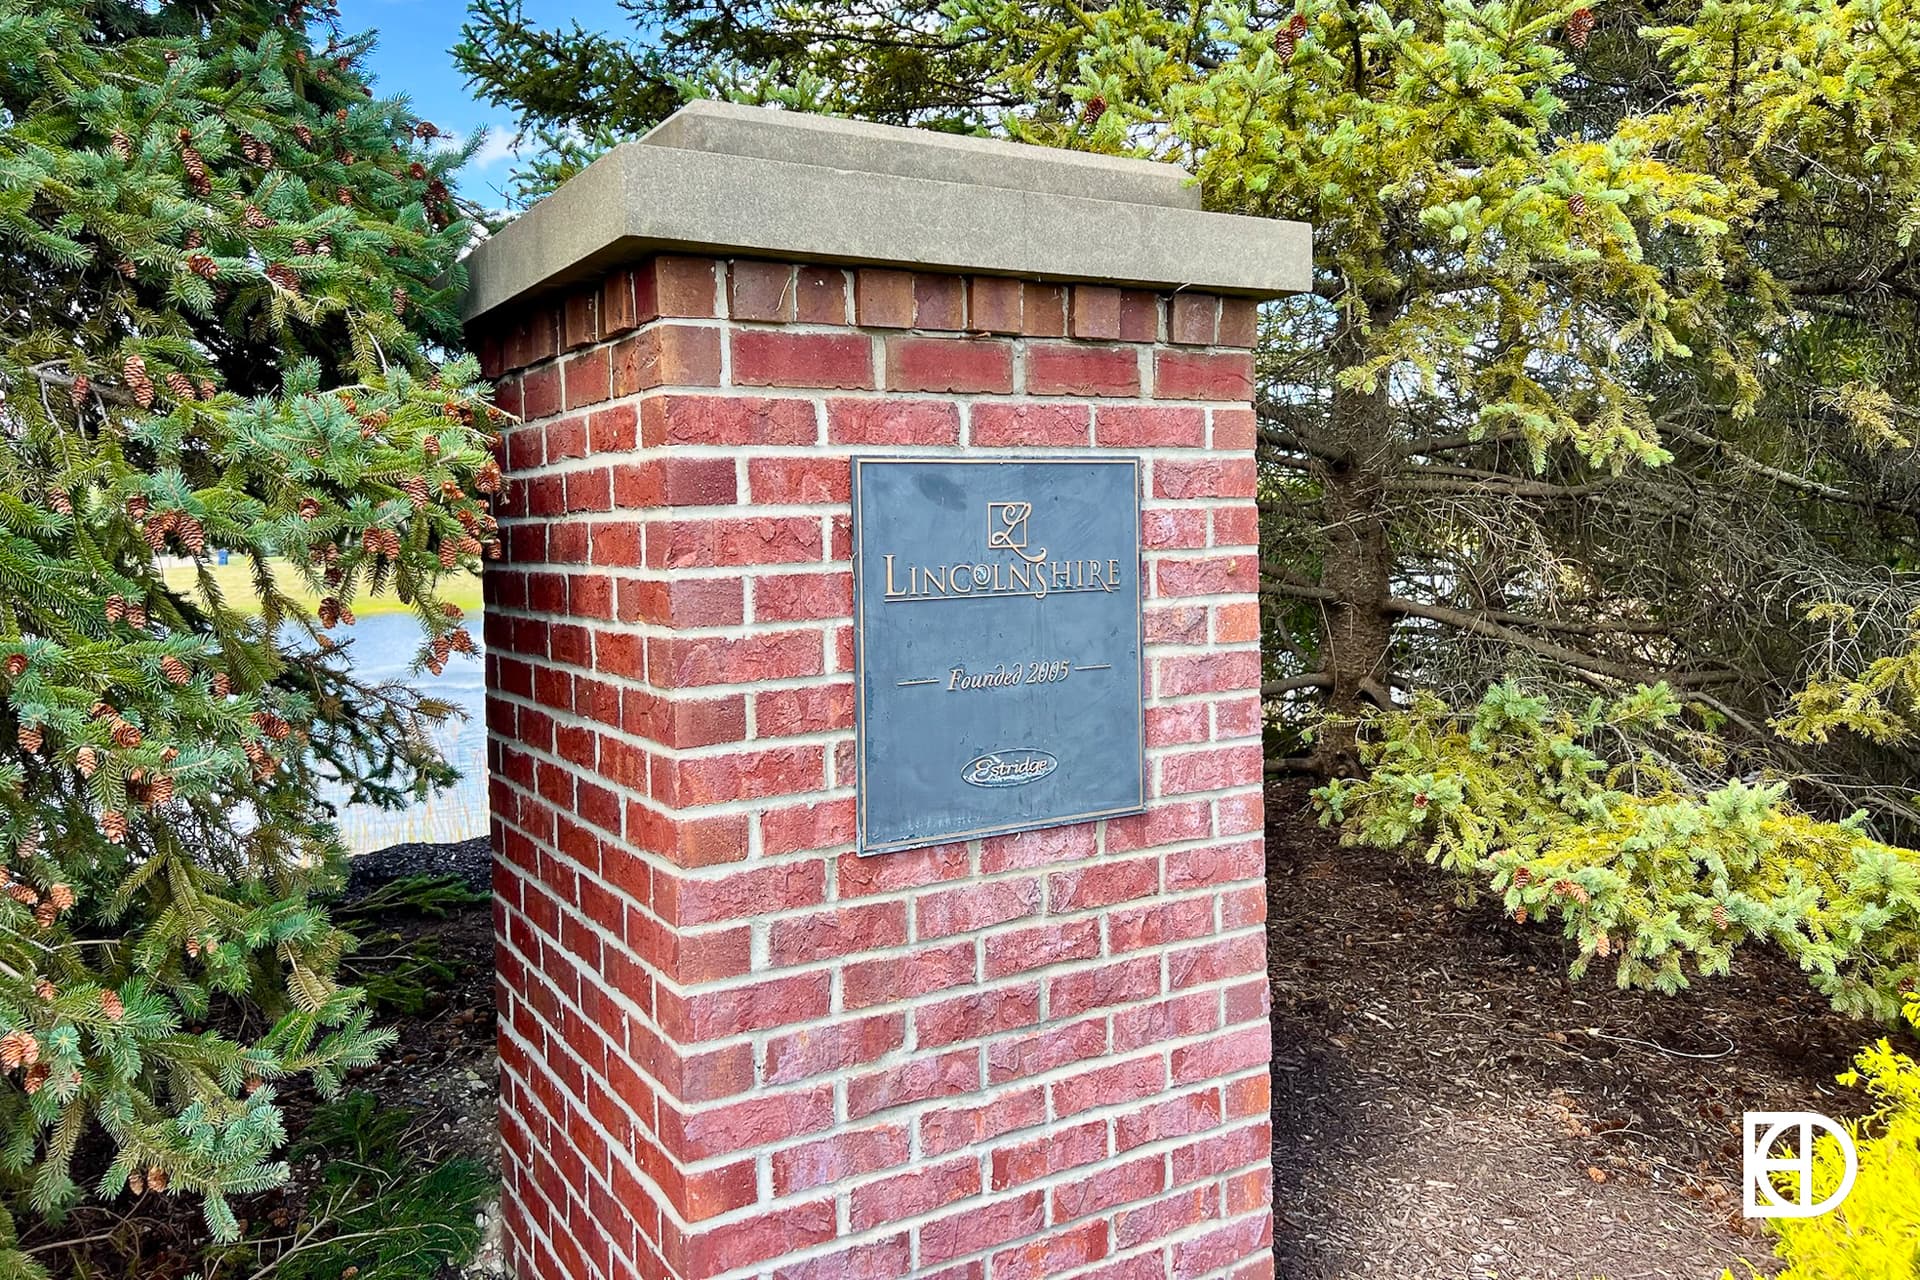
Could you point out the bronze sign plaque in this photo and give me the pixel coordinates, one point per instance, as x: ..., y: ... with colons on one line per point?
x: 997, y: 645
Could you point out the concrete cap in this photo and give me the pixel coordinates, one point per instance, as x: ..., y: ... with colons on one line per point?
x: 729, y: 180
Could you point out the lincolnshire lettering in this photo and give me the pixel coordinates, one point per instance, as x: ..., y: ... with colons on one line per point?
x: 1015, y: 577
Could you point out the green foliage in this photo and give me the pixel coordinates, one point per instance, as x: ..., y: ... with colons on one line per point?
x: 1875, y: 1233
x: 231, y: 272
x: 1589, y: 820
x: 379, y: 1211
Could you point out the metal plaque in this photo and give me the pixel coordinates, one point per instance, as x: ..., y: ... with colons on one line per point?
x: 997, y: 645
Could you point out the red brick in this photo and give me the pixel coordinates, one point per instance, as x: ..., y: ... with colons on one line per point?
x: 1211, y: 770
x: 844, y: 1155
x: 1158, y: 1219
x: 883, y: 299
x: 1233, y: 429
x: 1214, y: 865
x: 1096, y: 311
x: 754, y: 1121
x: 686, y: 662
x: 727, y: 420
x: 1209, y: 1252
x: 1194, y: 319
x: 1122, y: 982
x: 1157, y: 923
x: 684, y: 286
x: 1236, y: 526
x: 1043, y: 310
x: 1032, y: 1055
x: 755, y: 1239
x: 951, y: 365
x: 540, y: 392
x: 821, y: 295
x: 752, y: 540
x: 920, y: 1079
x: 1046, y: 847
x: 975, y: 1016
x: 782, y: 713
x: 939, y: 302
x: 881, y: 1260
x: 1239, y: 322
x: 838, y: 931
x: 613, y: 430
x: 815, y: 825
x: 975, y: 906
x: 1052, y: 1255
x: 1150, y: 427
x: 1103, y: 1189
x: 945, y: 1129
x: 683, y: 602
x: 1139, y: 315
x: 1222, y: 1055
x: 666, y: 355
x: 1177, y: 725
x: 684, y: 901
x: 814, y: 1051
x: 588, y: 376
x: 981, y: 1227
x: 761, y: 291
x: 1035, y: 425
x: 744, y: 775
x: 799, y: 480
x: 795, y: 597
x: 1102, y: 884
x: 1075, y: 369
x: 892, y: 422
x: 883, y: 981
x: 1061, y: 1147
x: 1209, y: 478
x: 619, y: 306
x: 730, y: 1011
x: 911, y: 1194
x: 1216, y: 961
x: 1203, y: 375
x: 1022, y: 950
x: 1229, y: 672
x: 994, y: 304
x: 904, y: 870
x: 782, y: 359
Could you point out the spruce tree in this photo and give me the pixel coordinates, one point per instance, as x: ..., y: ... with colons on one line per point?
x: 230, y: 286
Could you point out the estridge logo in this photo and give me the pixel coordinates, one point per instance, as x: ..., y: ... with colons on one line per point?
x: 1008, y: 767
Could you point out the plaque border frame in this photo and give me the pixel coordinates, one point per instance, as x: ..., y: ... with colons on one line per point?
x: 862, y: 847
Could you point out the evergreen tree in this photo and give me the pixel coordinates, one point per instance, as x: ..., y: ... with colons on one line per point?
x: 227, y: 267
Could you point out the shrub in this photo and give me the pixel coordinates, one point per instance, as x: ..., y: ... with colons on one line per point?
x: 228, y: 270
x: 1594, y: 820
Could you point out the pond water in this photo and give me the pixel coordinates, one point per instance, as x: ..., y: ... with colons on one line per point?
x: 384, y: 646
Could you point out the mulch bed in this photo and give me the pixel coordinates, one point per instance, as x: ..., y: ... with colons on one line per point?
x: 1447, y: 1104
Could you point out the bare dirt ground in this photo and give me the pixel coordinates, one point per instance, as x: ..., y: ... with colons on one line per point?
x: 1448, y: 1107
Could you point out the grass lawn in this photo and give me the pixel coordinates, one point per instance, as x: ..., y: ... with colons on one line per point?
x: 236, y: 587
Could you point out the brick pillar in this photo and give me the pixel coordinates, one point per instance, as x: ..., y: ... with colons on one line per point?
x: 732, y: 1047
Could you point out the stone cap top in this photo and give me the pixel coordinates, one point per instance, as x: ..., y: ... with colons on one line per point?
x: 730, y: 180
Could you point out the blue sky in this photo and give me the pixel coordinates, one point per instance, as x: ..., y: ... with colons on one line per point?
x: 412, y: 59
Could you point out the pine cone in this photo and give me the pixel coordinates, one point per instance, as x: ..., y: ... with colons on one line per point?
x: 180, y: 385
x: 138, y: 381
x: 417, y: 171
x: 115, y: 608
x: 112, y: 1005
x: 417, y: 489
x: 87, y: 760
x: 160, y: 793
x: 1297, y: 25
x: 24, y: 894
x: 46, y: 991
x: 1090, y: 114
x: 175, y: 670
x: 44, y: 915
x: 1603, y: 946
x: 345, y: 197
x: 193, y: 534
x: 156, y: 1178
x: 126, y: 268
x: 31, y: 739
x: 303, y: 133
x: 122, y: 147
x: 1720, y: 917
x: 37, y: 1076
x: 272, y: 725
x: 61, y: 896
x: 1577, y: 205
x: 431, y: 447
x: 256, y: 219
x: 127, y: 735
x: 202, y: 265
x: 137, y: 1183
x: 283, y: 275
x: 222, y: 684
x: 18, y: 1049
x: 16, y: 665
x: 309, y: 508
x: 137, y: 616
x: 196, y: 167
x: 206, y: 388
x: 426, y: 131
x: 113, y: 824
x: 1580, y: 25
x: 29, y: 846
x: 78, y: 391
x: 449, y: 556
x: 1284, y: 43
x: 399, y: 300
x: 462, y: 641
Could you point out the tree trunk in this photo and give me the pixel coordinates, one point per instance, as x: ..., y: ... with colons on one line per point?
x: 1357, y: 626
